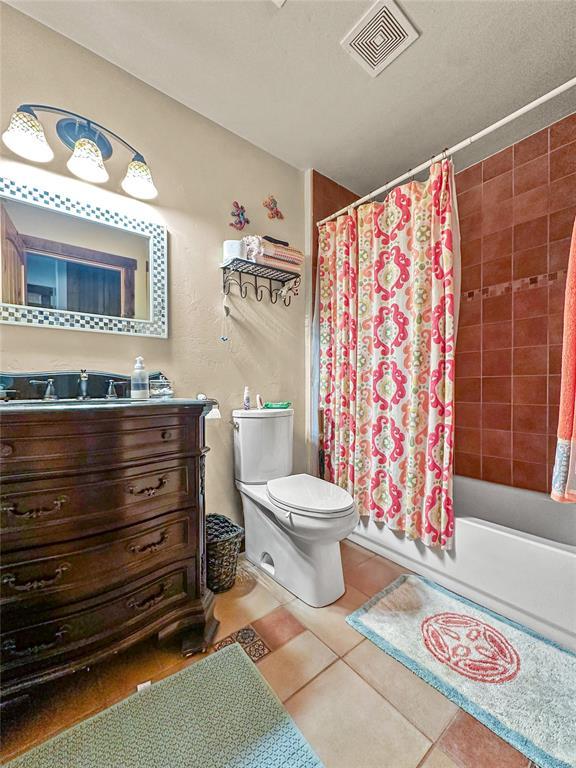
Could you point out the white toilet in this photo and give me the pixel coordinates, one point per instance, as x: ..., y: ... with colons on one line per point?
x: 294, y: 523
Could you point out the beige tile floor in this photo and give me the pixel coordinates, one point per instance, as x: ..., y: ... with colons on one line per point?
x: 357, y: 706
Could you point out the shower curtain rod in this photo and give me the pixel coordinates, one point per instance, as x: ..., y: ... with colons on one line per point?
x: 456, y: 148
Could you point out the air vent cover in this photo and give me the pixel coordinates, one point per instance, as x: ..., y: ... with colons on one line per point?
x: 379, y: 37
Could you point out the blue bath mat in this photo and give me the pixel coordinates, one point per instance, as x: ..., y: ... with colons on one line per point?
x: 516, y: 682
x: 217, y: 713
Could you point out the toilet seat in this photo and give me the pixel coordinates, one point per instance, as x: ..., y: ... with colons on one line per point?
x: 309, y: 496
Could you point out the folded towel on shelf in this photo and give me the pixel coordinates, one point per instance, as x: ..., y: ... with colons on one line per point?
x: 273, y: 254
x: 283, y: 253
x: 266, y: 261
x: 257, y: 246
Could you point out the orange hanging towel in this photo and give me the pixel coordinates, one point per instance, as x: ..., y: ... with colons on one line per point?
x: 564, y: 477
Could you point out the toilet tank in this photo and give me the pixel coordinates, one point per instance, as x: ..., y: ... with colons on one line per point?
x: 262, y: 444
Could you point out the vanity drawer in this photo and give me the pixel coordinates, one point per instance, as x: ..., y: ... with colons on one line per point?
x: 72, y: 632
x: 60, y: 573
x: 34, y: 443
x: 42, y: 511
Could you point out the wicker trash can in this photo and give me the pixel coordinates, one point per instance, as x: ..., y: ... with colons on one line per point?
x: 223, y: 538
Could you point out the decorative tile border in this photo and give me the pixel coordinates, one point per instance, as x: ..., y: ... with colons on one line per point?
x: 250, y: 641
x: 15, y: 314
x: 515, y: 286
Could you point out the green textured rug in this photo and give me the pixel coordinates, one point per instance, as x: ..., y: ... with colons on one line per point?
x: 217, y: 713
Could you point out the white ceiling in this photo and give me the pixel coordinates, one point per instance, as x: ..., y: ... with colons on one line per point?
x: 279, y: 77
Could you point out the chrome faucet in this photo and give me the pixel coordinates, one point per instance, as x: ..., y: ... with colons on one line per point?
x: 83, y: 385
x: 50, y: 391
x: 112, y: 393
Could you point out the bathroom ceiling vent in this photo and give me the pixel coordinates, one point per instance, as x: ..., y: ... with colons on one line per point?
x: 379, y: 37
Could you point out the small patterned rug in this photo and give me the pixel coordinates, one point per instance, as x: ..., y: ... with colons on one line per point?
x: 217, y: 713
x: 517, y: 683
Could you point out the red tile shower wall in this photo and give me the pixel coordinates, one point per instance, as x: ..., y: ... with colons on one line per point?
x: 516, y: 209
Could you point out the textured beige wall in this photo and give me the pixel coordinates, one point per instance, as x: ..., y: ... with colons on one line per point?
x: 199, y: 169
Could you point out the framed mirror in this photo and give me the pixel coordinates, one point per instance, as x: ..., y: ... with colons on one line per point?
x: 68, y: 264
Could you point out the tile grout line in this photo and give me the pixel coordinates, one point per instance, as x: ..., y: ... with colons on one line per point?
x: 420, y: 731
x: 436, y: 745
x: 338, y: 656
x: 308, y: 682
x: 446, y: 729
x: 342, y: 659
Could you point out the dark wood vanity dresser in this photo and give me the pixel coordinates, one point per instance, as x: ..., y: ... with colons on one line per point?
x: 102, y: 534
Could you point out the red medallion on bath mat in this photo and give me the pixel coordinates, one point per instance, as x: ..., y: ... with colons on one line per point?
x: 470, y: 647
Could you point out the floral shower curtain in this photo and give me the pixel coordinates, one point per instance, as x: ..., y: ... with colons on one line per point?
x: 387, y: 338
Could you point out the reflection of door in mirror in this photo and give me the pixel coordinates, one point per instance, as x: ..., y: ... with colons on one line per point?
x: 13, y: 258
x: 47, y: 273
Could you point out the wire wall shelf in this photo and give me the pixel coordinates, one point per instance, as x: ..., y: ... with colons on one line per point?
x: 278, y: 284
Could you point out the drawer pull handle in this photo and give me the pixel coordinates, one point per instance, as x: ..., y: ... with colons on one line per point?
x: 154, y: 546
x: 166, y: 435
x: 35, y: 512
x: 151, y: 490
x: 35, y: 585
x: 9, y: 645
x: 149, y: 602
x: 6, y: 450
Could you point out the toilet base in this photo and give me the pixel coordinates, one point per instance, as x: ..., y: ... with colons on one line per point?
x: 311, y: 570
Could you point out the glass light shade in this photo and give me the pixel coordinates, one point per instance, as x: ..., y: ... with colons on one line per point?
x: 87, y: 163
x: 138, y: 181
x: 25, y: 137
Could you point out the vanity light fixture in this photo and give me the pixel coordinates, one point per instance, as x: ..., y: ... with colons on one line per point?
x: 87, y: 162
x: 25, y: 137
x: 138, y: 180
x: 89, y: 142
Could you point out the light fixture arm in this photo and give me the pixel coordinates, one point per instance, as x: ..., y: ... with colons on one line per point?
x: 88, y: 141
x: 32, y: 108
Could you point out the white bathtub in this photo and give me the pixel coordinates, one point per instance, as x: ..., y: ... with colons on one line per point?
x: 514, y: 552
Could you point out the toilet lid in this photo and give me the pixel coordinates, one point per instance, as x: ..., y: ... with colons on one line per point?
x: 309, y: 494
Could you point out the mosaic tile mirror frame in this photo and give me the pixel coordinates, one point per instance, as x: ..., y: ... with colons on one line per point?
x: 155, y: 324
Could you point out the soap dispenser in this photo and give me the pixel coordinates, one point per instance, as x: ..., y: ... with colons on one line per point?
x: 139, y: 387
